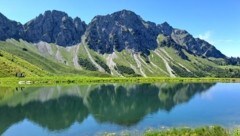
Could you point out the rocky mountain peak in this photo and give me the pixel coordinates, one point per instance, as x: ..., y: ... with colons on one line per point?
x: 2, y: 17
x: 77, y: 19
x: 121, y: 30
x: 9, y: 28
x: 165, y: 28
x: 55, y: 13
x: 55, y: 27
x: 165, y: 24
x: 125, y: 14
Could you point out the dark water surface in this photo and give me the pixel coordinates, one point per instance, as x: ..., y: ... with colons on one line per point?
x: 94, y: 109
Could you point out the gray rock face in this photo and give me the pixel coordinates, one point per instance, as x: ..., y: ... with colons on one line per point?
x: 121, y: 30
x: 55, y: 27
x: 165, y: 28
x: 194, y: 45
x: 207, y: 49
x: 10, y: 29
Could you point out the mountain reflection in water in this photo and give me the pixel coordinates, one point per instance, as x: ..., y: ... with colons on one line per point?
x: 57, y: 108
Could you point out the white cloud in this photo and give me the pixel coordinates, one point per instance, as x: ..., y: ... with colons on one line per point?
x: 229, y: 47
x: 207, y: 36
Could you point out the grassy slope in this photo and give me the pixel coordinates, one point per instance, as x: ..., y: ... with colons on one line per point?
x: 66, y: 54
x: 10, y: 65
x: 33, y: 57
x: 199, y: 67
x: 151, y: 66
x: 194, y: 67
x: 204, y: 131
x: 185, y: 64
x: 125, y: 58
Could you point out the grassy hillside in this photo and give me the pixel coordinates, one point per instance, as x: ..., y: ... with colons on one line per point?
x: 163, y: 62
x: 26, y: 58
x: 11, y: 65
x: 43, y: 59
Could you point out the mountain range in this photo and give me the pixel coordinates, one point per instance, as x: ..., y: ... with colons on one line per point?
x: 117, y: 44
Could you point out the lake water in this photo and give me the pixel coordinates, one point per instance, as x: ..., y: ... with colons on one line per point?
x: 94, y: 109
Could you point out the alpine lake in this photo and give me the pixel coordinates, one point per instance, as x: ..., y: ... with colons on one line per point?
x: 114, y: 108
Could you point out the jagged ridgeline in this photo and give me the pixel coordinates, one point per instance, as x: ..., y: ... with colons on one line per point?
x: 118, y: 44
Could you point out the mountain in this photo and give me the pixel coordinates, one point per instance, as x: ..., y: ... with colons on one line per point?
x: 193, y: 45
x: 54, y: 27
x: 126, y: 30
x: 117, y: 44
x: 10, y: 29
x: 119, y: 31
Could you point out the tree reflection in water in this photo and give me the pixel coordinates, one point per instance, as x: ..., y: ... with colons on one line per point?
x: 57, y: 108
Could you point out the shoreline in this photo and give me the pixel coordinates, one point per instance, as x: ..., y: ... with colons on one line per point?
x: 60, y: 80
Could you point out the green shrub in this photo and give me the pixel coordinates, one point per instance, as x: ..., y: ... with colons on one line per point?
x: 24, y: 49
x: 86, y: 64
x: 236, y: 132
x: 125, y: 70
x: 102, y: 64
x: 182, y: 72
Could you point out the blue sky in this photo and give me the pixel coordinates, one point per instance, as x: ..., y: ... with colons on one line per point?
x: 217, y: 21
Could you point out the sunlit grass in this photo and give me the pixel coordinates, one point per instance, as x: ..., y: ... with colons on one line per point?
x: 202, y: 131
x: 93, y: 80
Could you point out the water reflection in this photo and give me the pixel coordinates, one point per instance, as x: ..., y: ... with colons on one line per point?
x: 57, y: 108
